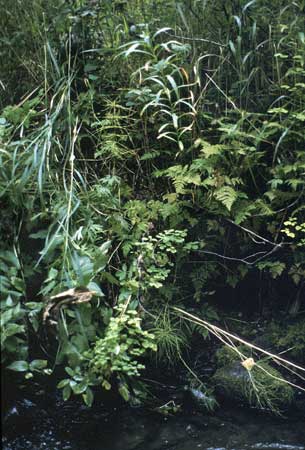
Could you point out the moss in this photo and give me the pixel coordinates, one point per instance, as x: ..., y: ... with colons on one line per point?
x: 226, y: 355
x: 290, y: 336
x: 261, y: 387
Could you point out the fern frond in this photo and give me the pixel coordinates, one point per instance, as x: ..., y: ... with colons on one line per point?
x: 227, y: 196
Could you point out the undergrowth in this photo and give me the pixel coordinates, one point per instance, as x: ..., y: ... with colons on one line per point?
x: 146, y: 162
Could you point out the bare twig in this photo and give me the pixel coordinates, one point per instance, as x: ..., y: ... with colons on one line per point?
x: 218, y: 330
x: 253, y: 234
x: 244, y: 260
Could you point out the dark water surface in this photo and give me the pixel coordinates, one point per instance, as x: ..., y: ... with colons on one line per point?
x: 74, y: 427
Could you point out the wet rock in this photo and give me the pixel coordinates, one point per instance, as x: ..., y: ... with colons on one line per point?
x: 230, y: 381
x: 264, y: 341
x: 11, y: 414
x: 199, y: 399
x: 299, y: 405
x: 22, y: 415
x: 259, y: 387
x: 21, y: 408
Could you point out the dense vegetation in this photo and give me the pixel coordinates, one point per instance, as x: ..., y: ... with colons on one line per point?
x: 152, y: 162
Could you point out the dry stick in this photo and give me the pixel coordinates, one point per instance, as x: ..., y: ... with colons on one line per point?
x: 230, y: 258
x: 229, y: 344
x: 279, y: 379
x: 282, y: 209
x: 223, y: 93
x: 288, y: 368
x: 242, y: 341
x: 212, y: 328
x: 244, y: 260
x: 256, y: 235
x: 242, y: 356
x: 190, y: 370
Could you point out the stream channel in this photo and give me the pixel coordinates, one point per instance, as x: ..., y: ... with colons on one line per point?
x: 38, y: 423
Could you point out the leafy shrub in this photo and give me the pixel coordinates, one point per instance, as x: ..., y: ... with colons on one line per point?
x: 157, y: 163
x: 118, y: 352
x: 13, y: 327
x: 114, y: 358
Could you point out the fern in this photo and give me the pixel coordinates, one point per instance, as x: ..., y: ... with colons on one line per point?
x: 181, y: 177
x: 227, y: 196
x: 243, y: 212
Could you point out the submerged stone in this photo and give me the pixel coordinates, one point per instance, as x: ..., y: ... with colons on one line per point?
x: 200, y: 399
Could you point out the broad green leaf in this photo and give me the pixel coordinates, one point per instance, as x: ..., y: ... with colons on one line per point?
x: 66, y: 393
x: 106, y: 385
x: 88, y: 397
x: 105, y: 247
x: 19, y: 366
x: 124, y: 391
x: 63, y: 383
x: 38, y: 364
x: 80, y: 387
x: 92, y: 286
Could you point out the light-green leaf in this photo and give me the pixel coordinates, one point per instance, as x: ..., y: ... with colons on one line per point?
x: 227, y: 196
x: 88, y: 397
x: 66, y: 393
x: 38, y: 364
x: 19, y: 366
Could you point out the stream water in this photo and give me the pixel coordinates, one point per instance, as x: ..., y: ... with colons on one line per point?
x: 58, y: 426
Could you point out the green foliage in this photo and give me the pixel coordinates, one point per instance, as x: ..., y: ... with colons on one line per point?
x: 13, y: 330
x: 162, y: 85
x: 289, y: 338
x: 170, y: 337
x: 113, y: 358
x: 293, y: 229
x: 155, y: 163
x: 118, y: 352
